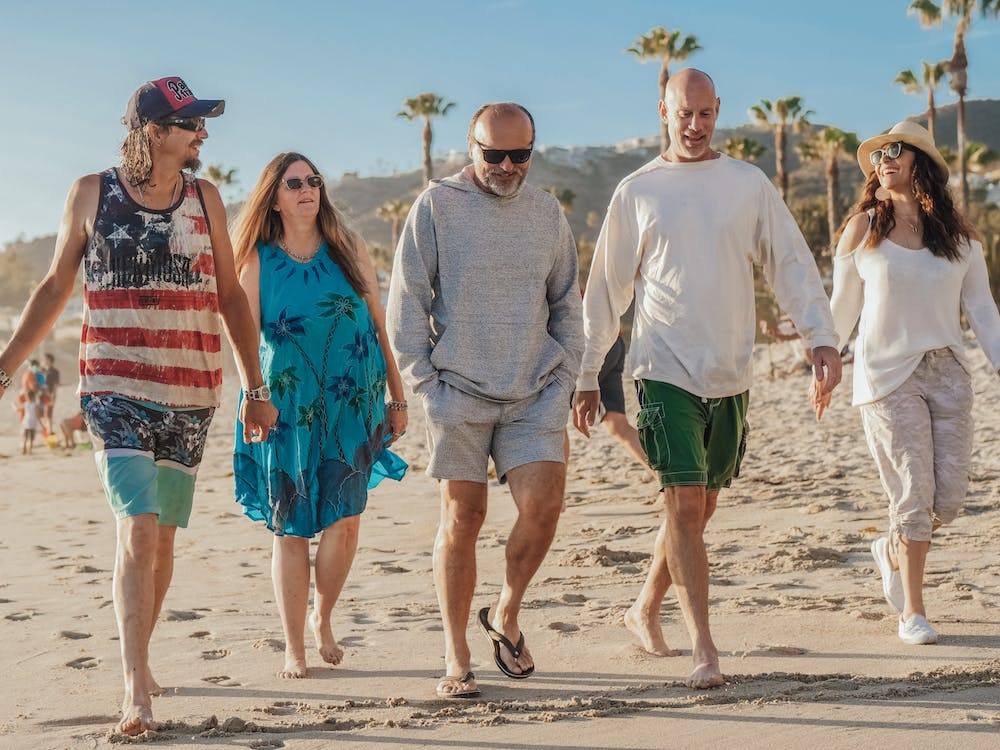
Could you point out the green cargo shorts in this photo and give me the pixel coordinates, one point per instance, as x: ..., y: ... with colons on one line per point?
x: 691, y: 440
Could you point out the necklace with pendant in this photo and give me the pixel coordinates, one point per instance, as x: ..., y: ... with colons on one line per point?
x: 911, y: 225
x: 300, y: 258
x: 173, y: 193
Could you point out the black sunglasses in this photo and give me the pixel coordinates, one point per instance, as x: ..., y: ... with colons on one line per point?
x: 892, y: 151
x: 194, y: 124
x: 295, y: 183
x: 497, y: 155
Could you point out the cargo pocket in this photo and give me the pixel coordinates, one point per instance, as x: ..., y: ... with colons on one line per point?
x: 652, y: 437
x: 741, y: 451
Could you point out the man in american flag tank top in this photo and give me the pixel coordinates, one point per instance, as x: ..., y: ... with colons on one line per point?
x: 159, y: 281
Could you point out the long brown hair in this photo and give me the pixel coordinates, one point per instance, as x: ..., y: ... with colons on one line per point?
x: 944, y: 225
x: 257, y: 221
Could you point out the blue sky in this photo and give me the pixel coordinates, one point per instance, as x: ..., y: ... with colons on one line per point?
x: 327, y: 78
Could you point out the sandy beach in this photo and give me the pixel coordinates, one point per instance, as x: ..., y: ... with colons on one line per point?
x: 808, y: 643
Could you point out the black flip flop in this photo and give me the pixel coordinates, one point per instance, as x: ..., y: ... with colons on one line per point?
x: 462, y: 695
x: 499, y: 639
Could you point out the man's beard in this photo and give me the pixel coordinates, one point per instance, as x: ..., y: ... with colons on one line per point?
x: 504, y: 189
x: 193, y: 164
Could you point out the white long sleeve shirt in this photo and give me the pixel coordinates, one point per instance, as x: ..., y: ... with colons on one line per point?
x: 683, y: 237
x: 909, y: 302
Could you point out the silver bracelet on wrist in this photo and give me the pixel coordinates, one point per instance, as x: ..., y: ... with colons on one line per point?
x: 5, y: 381
x: 397, y: 405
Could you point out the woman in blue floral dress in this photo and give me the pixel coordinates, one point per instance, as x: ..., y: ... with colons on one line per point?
x: 312, y: 289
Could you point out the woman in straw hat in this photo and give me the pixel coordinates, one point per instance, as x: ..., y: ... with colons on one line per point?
x: 907, y: 264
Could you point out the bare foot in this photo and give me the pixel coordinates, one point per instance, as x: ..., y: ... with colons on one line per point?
x: 326, y: 644
x: 706, y: 674
x: 649, y: 632
x: 137, y: 717
x: 295, y: 667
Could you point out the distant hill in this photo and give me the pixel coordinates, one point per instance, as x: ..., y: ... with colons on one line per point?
x: 591, y: 172
x: 982, y: 123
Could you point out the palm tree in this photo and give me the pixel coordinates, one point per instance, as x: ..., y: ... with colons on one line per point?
x: 743, y: 148
x: 828, y: 145
x: 929, y: 81
x: 931, y: 14
x: 565, y: 196
x: 426, y: 105
x: 979, y: 157
x: 220, y: 176
x: 393, y: 212
x: 665, y: 46
x: 785, y: 112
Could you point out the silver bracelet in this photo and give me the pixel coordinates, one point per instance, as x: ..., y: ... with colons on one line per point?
x: 6, y: 382
x: 397, y: 405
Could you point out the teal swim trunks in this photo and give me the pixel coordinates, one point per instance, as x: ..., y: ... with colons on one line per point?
x: 147, y: 454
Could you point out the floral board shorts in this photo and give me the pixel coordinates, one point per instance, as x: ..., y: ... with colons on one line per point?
x: 147, y: 454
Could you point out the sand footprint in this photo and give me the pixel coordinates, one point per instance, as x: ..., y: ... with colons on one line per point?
x: 218, y: 653
x: 386, y: 568
x: 84, y: 662
x: 20, y: 616
x: 222, y: 680
x: 269, y: 644
x: 200, y: 634
x: 177, y: 615
x: 72, y: 635
x: 563, y: 627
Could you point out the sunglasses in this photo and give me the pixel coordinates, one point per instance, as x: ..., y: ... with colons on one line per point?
x: 497, y: 155
x: 892, y: 151
x: 296, y: 183
x: 194, y: 124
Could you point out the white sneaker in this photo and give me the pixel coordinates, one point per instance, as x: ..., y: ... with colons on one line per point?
x: 917, y: 631
x: 892, y: 583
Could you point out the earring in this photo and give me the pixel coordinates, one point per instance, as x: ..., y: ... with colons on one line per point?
x: 881, y: 194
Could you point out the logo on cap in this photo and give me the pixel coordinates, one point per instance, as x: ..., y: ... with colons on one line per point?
x: 176, y: 92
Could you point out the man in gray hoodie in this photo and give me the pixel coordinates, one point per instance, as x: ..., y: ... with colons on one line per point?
x: 484, y: 316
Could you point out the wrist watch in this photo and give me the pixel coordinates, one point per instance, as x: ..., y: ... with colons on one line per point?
x: 261, y: 393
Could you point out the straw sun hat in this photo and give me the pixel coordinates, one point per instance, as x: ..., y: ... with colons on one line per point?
x: 909, y: 133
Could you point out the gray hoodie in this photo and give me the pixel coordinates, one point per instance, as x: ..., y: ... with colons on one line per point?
x: 484, y: 292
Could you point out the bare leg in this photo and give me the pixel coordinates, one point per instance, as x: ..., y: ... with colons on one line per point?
x: 67, y: 432
x: 290, y: 573
x: 618, y: 426
x: 134, y: 596
x: 688, y: 510
x: 538, y: 490
x: 911, y: 557
x: 163, y: 573
x: 463, y: 508
x: 643, y: 617
x: 333, y: 562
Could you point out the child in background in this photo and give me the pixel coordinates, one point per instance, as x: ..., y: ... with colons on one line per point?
x: 30, y: 422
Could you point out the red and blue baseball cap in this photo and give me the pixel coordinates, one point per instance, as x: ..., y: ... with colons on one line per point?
x: 167, y: 97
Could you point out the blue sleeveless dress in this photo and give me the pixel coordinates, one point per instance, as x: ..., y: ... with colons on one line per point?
x: 321, y: 358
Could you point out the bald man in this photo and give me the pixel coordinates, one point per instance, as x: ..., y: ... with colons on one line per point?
x: 681, y: 236
x: 484, y: 317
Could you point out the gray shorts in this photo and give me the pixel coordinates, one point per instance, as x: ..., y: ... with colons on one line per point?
x: 463, y: 431
x: 921, y: 438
